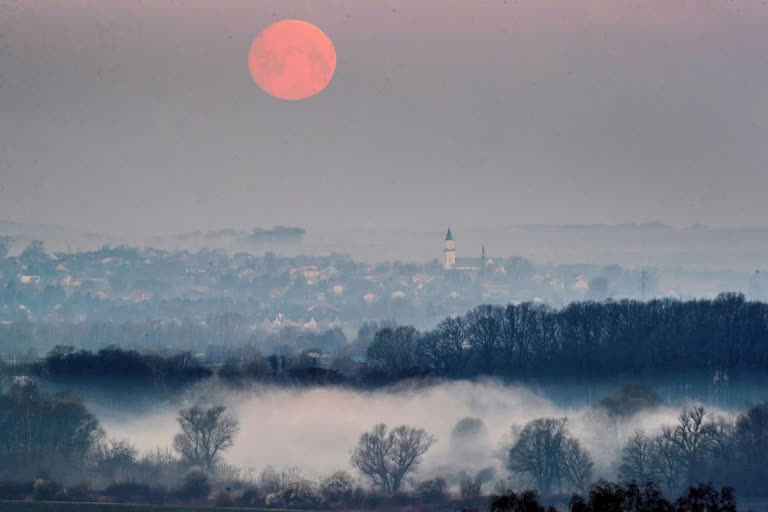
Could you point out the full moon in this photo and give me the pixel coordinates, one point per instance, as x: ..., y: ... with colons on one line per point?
x: 292, y: 60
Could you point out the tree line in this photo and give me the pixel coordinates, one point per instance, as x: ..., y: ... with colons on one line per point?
x: 720, y: 339
x: 121, y: 369
x: 617, y: 497
x: 718, y: 342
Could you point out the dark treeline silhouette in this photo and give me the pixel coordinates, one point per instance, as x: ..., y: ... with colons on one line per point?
x: 612, y: 497
x: 717, y: 343
x: 720, y: 339
x: 123, y: 370
x: 39, y: 431
x: 116, y: 371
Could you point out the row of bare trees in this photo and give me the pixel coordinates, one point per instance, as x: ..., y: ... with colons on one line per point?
x: 701, y: 447
x: 726, y: 337
x: 544, y: 453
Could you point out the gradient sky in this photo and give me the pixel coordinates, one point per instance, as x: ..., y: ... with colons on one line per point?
x: 140, y: 117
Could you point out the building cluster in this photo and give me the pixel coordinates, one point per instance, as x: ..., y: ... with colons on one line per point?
x: 273, y: 292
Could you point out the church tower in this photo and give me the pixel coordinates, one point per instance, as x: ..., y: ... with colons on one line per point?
x: 449, y: 252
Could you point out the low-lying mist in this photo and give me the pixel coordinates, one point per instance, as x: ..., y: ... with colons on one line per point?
x: 315, y: 429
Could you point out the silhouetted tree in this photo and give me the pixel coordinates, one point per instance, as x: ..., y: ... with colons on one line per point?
x: 750, y: 443
x: 114, y: 456
x: 638, y: 459
x: 204, y: 435
x: 484, y: 329
x: 526, y: 501
x: 447, y: 348
x: 577, y: 465
x: 704, y: 498
x: 41, y: 430
x: 385, y: 457
x: 546, y: 452
x: 692, y: 438
x: 611, y: 497
x: 395, y: 350
x: 471, y: 490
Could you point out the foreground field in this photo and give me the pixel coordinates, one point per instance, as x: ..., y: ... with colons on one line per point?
x: 53, y: 506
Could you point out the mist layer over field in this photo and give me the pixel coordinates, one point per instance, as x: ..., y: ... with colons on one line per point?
x: 315, y: 429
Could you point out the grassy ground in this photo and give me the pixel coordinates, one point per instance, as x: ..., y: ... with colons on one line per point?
x: 51, y: 506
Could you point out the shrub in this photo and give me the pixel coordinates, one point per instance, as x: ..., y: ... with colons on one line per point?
x: 45, y: 490
x: 14, y: 490
x: 224, y: 499
x: 527, y: 501
x: 706, y: 497
x: 195, y: 485
x: 252, y: 497
x: 434, y: 490
x: 132, y: 491
x: 296, y: 493
x: 79, y: 492
x: 338, y: 487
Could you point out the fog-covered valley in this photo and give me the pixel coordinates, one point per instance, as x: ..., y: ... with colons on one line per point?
x: 315, y: 429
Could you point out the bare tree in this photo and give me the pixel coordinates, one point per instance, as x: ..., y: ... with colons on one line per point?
x: 667, y: 464
x: 274, y: 481
x: 693, y: 438
x: 471, y: 490
x: 638, y: 459
x: 577, y: 465
x: 546, y: 452
x: 395, y: 350
x: 750, y: 446
x: 484, y: 330
x: 386, y: 457
x: 204, y: 435
x: 538, y: 451
x: 114, y: 455
x: 448, y: 346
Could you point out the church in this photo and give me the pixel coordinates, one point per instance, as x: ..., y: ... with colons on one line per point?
x: 451, y: 262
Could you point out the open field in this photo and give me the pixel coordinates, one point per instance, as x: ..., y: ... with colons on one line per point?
x: 55, y: 506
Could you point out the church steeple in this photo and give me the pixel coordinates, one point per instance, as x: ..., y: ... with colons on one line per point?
x: 449, y: 252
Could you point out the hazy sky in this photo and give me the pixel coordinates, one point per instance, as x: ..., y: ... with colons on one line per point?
x: 136, y: 116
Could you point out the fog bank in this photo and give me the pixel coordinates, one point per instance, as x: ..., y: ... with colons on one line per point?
x: 315, y: 429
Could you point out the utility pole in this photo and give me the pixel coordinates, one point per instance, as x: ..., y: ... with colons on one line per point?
x: 643, y: 284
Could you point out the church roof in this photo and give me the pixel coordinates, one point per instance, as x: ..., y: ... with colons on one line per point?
x: 469, y: 263
x: 448, y: 235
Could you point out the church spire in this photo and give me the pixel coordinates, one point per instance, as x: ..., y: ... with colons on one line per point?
x: 449, y: 251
